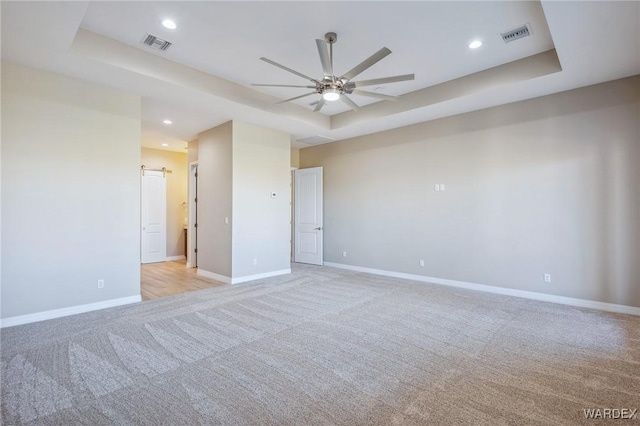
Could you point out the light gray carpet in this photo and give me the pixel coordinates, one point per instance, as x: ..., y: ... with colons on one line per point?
x: 322, y: 347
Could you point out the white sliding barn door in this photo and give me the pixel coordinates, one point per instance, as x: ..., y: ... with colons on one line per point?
x: 308, y: 216
x: 154, y: 217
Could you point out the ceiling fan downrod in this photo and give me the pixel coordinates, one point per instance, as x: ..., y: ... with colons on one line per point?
x: 331, y: 38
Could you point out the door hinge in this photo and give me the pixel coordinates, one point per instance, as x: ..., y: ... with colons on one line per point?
x: 196, y: 200
x: 195, y: 225
x: 196, y: 174
x: 196, y: 250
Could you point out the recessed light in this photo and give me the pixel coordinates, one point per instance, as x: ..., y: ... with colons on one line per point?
x: 475, y: 44
x: 167, y: 121
x: 165, y: 144
x: 168, y: 23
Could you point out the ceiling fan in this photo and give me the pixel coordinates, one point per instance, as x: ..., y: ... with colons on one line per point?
x: 332, y: 87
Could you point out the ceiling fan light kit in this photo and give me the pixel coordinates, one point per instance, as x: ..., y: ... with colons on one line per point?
x: 330, y: 86
x: 331, y: 94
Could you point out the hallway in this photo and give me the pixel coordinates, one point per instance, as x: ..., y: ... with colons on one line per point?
x: 169, y: 278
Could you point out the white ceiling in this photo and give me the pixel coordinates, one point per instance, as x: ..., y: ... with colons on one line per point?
x: 204, y: 79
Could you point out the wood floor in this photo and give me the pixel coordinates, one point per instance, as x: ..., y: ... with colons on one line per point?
x: 169, y: 278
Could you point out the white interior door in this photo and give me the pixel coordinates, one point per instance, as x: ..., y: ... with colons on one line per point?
x: 308, y: 216
x: 154, y: 217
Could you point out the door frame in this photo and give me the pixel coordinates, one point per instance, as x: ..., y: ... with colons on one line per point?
x: 292, y: 211
x: 192, y: 230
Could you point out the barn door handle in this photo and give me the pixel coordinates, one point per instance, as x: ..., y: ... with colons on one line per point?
x: 318, y: 228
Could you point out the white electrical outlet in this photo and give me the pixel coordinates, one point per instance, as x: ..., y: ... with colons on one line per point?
x: 436, y: 187
x: 226, y: 220
x: 100, y: 283
x: 255, y: 262
x: 547, y: 278
x: 344, y: 254
x: 442, y: 187
x: 421, y: 263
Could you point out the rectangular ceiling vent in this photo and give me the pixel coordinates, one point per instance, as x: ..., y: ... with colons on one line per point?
x: 516, y: 34
x: 155, y: 42
x: 315, y: 140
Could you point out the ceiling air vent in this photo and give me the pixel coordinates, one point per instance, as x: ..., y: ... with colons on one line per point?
x: 155, y: 42
x: 315, y: 140
x: 513, y: 35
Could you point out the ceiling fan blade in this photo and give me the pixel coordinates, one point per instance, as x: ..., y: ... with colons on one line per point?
x: 371, y: 60
x: 319, y: 105
x: 375, y: 95
x: 383, y: 80
x: 325, y: 60
x: 349, y: 102
x: 297, y: 97
x: 282, y: 85
x: 269, y: 61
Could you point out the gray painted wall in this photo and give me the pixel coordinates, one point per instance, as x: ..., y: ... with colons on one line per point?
x: 192, y: 152
x: 548, y: 185
x: 214, y: 199
x: 70, y: 192
x: 261, y: 229
x: 239, y: 165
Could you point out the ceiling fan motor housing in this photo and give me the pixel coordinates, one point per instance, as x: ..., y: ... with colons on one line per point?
x: 328, y: 83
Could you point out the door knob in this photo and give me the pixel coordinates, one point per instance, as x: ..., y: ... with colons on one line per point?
x: 318, y: 228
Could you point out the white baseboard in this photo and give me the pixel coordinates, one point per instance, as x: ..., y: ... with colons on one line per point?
x: 583, y: 303
x: 214, y: 276
x: 259, y: 276
x: 180, y: 257
x: 228, y: 280
x: 57, y: 313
